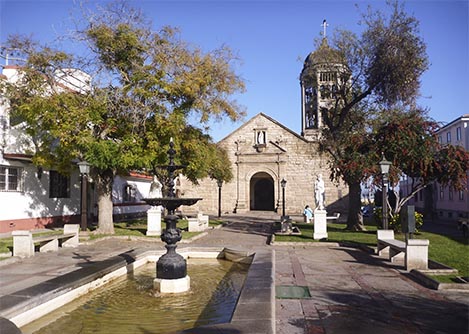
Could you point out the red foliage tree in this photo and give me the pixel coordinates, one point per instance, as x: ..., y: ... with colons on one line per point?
x: 410, y: 141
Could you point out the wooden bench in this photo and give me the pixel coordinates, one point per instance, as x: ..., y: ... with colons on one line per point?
x: 415, y: 250
x: 24, y: 244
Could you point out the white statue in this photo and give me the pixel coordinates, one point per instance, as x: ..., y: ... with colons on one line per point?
x: 261, y: 138
x: 178, y: 186
x: 155, y: 188
x: 319, y: 194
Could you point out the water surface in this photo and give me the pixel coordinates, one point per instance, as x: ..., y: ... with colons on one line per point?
x: 130, y: 305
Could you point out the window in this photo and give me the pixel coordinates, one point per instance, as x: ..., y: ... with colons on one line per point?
x: 442, y: 193
x: 461, y: 195
x: 128, y: 193
x: 328, y: 76
x: 448, y: 137
x: 440, y: 140
x: 59, y: 185
x: 458, y: 133
x: 11, y: 178
x: 450, y: 195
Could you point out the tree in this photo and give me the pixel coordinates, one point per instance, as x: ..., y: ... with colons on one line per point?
x: 410, y: 141
x: 145, y: 86
x: 383, y: 69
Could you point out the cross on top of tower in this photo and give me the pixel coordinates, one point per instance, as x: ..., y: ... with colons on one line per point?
x: 324, y: 28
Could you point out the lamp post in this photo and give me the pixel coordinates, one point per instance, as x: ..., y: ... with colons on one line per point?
x: 384, y: 165
x: 84, y: 171
x: 283, y: 183
x: 219, y: 184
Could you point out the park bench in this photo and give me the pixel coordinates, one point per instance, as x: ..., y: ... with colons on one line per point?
x: 24, y: 243
x: 197, y: 224
x: 334, y: 217
x: 415, y: 250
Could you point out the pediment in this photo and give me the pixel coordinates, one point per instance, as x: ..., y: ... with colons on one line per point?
x: 275, y: 136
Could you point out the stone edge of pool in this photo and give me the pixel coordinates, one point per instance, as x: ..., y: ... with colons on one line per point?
x: 254, y: 312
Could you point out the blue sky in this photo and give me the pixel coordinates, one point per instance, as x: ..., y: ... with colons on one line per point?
x: 272, y: 38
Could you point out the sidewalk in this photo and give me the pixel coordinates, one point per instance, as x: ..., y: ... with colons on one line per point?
x: 351, y: 291
x: 355, y: 292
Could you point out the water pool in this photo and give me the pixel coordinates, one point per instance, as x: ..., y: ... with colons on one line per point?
x: 130, y: 305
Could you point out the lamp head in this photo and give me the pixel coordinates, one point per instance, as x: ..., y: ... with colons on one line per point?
x: 384, y: 165
x: 84, y: 167
x: 283, y: 183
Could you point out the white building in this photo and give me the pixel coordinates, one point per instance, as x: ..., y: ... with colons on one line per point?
x: 436, y: 200
x: 32, y: 198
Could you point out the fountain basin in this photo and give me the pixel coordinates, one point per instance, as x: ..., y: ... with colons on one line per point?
x: 255, y: 307
x: 171, y: 203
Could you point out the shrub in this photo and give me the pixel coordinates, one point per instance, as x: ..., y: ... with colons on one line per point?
x: 395, y: 221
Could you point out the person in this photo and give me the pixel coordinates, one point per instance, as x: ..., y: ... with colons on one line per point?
x: 308, y: 213
x: 319, y: 189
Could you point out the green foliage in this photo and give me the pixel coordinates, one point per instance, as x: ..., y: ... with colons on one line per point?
x: 395, y: 55
x: 395, y: 220
x: 146, y: 85
x: 382, y: 69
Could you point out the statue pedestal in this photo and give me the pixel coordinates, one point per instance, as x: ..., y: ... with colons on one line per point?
x: 320, y: 224
x: 154, y: 221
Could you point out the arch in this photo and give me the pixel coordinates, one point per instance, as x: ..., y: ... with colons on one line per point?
x: 261, y: 188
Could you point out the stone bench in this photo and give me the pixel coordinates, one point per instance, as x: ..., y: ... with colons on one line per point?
x: 198, y: 224
x: 415, y: 250
x: 335, y: 217
x: 24, y: 244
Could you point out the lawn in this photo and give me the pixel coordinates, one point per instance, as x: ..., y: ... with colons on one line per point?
x: 453, y: 252
x: 136, y: 227
x: 336, y: 233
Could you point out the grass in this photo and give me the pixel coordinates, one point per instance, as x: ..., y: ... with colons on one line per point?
x: 336, y: 233
x: 6, y: 244
x: 137, y: 227
x: 451, y: 251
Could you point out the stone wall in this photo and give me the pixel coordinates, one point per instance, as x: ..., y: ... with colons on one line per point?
x: 285, y: 155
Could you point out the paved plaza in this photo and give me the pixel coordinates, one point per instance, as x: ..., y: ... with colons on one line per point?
x: 342, y: 289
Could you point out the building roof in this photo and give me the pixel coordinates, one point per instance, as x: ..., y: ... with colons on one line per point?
x: 323, y: 55
x: 271, y: 120
x: 464, y: 117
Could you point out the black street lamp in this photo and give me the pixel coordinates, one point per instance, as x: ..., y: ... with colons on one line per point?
x: 283, y: 183
x: 384, y: 165
x: 84, y: 171
x: 219, y: 184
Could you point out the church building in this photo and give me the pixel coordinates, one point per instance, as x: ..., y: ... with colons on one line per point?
x: 265, y: 154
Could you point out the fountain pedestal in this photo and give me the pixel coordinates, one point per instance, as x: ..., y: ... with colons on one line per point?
x: 171, y: 268
x: 172, y: 285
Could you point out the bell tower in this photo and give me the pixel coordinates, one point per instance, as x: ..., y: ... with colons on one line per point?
x: 324, y: 72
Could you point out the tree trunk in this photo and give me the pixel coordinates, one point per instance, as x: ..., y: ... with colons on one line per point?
x: 355, y: 217
x: 104, y: 188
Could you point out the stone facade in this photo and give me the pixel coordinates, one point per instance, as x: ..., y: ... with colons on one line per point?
x: 262, y: 153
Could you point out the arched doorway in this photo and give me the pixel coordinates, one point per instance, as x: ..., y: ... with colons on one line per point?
x: 262, y: 192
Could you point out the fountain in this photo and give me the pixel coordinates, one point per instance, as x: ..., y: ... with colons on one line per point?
x: 171, y: 268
